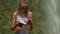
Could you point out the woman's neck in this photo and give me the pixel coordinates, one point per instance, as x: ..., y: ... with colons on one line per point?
x: 22, y: 14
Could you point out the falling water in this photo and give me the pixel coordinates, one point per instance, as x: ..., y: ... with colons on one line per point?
x: 51, y: 7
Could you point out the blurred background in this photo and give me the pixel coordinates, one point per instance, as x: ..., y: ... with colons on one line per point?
x: 7, y: 7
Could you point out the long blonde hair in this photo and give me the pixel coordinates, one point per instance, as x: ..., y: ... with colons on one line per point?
x: 19, y: 5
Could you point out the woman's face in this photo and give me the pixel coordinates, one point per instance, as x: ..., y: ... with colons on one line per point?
x: 24, y: 5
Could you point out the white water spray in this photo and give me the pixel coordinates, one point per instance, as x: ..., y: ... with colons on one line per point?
x: 51, y: 8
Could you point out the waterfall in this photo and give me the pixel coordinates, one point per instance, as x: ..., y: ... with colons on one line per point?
x: 51, y: 8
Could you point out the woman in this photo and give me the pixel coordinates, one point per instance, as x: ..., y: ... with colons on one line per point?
x: 22, y: 19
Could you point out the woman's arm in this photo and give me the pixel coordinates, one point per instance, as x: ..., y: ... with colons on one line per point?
x: 30, y: 16
x: 13, y: 21
x: 30, y: 21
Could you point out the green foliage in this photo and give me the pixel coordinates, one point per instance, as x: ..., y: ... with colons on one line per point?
x: 39, y: 16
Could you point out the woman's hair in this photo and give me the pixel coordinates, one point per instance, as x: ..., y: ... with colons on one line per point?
x: 26, y: 9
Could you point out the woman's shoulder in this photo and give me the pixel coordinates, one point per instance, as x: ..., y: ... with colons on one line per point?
x: 15, y: 12
x: 29, y: 12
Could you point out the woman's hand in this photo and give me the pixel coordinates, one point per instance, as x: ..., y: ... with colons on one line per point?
x: 19, y: 24
x: 13, y: 27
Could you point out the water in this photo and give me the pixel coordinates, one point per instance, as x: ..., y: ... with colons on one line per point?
x: 51, y: 8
